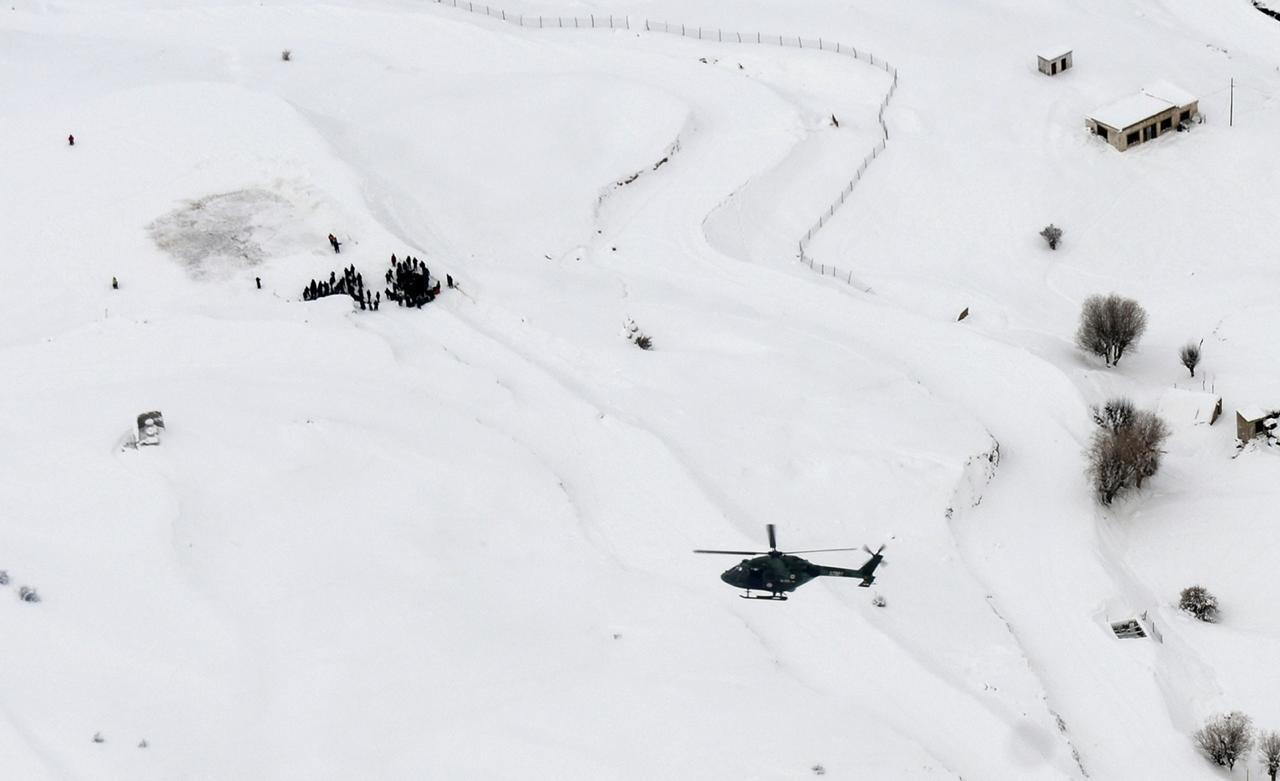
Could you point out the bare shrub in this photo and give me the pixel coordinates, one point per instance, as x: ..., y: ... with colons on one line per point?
x: 1225, y: 739
x: 1269, y: 753
x: 1115, y: 414
x: 636, y: 336
x: 1109, y: 325
x: 1052, y: 234
x: 1190, y: 356
x: 1110, y: 469
x: 1197, y: 601
x: 28, y: 594
x: 1143, y: 439
x: 1127, y: 451
x: 4, y: 577
x: 286, y: 55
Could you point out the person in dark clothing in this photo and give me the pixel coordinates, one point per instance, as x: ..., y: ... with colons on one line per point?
x: 259, y: 281
x: 71, y: 140
x: 448, y: 278
x: 376, y: 301
x: 306, y: 294
x: 115, y: 284
x: 313, y: 288
x: 333, y: 242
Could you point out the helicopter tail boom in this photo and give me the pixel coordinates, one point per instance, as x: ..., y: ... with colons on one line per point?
x: 866, y: 572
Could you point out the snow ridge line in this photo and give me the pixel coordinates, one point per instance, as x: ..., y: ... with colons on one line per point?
x: 610, y: 22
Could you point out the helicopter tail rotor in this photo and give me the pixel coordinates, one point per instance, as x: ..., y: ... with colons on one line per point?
x: 868, y: 570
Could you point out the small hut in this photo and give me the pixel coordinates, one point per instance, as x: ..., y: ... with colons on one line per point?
x: 1250, y: 422
x: 1054, y: 60
x: 1181, y: 407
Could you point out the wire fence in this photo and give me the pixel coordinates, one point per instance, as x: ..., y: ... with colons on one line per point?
x: 609, y: 22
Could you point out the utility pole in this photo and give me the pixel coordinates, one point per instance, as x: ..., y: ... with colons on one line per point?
x: 1231, y: 105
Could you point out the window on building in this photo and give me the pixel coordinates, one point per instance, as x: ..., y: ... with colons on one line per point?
x: 1184, y: 116
x: 1132, y: 138
x: 1100, y: 130
x: 1166, y: 123
x: 1064, y: 62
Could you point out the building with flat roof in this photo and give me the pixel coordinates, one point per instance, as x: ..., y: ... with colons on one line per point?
x: 1152, y: 112
x: 1054, y: 60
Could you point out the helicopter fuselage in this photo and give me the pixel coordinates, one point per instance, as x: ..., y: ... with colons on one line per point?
x: 782, y: 573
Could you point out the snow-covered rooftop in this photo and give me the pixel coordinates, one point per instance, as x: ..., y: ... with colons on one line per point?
x: 1151, y: 100
x: 1053, y: 52
x: 1252, y: 413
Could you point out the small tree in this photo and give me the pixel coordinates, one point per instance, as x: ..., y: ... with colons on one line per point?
x: 1142, y: 439
x: 1052, y: 234
x: 1197, y: 601
x: 1226, y: 739
x: 1269, y: 753
x: 286, y: 55
x: 1127, y: 449
x: 1110, y: 469
x: 1115, y: 414
x: 1190, y: 356
x: 1109, y: 325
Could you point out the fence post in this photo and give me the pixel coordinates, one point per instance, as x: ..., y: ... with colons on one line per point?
x: 739, y: 37
x: 593, y: 21
x: 720, y: 35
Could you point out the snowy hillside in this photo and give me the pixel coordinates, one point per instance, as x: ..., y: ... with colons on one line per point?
x: 454, y: 542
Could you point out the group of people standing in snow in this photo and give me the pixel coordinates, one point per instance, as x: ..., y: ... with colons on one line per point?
x: 409, y: 282
x: 351, y: 283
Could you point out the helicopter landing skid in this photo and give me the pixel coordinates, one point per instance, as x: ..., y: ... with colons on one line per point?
x: 772, y: 597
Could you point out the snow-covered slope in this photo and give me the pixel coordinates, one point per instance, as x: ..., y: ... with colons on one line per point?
x: 453, y: 542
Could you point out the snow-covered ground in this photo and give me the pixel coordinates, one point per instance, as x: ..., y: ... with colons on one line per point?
x: 454, y: 542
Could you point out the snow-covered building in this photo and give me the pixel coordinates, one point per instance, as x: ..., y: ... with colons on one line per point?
x: 1250, y: 422
x: 1054, y: 59
x: 1153, y: 111
x: 1180, y: 407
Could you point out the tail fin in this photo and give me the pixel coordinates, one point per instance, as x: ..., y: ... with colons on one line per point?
x: 867, y: 571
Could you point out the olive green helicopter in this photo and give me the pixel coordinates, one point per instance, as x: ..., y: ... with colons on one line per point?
x: 778, y: 571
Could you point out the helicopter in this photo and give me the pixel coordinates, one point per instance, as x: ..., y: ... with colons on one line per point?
x: 778, y: 571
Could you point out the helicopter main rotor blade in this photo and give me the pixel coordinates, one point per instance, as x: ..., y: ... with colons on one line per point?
x: 818, y: 550
x: 773, y: 544
x: 735, y: 552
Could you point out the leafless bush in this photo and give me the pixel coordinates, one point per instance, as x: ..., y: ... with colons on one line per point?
x: 636, y: 336
x: 1127, y: 451
x: 1052, y: 234
x: 286, y: 55
x: 1197, y: 601
x: 1225, y: 739
x: 28, y: 594
x: 1190, y: 356
x: 4, y: 577
x: 1143, y: 439
x: 1269, y: 753
x: 1115, y: 414
x: 1109, y: 325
